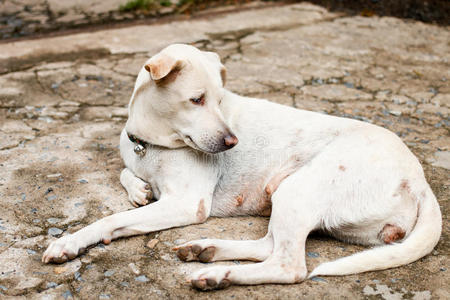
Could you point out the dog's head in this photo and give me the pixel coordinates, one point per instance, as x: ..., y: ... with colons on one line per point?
x: 176, y: 101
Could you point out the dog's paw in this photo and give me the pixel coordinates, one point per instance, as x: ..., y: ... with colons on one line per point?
x: 139, y: 193
x: 191, y: 252
x: 213, y: 278
x: 63, y: 249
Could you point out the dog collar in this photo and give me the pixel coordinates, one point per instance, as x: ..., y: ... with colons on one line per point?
x: 140, y: 146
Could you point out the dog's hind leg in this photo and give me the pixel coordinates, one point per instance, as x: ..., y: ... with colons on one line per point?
x: 286, y: 264
x: 290, y: 223
x: 208, y: 250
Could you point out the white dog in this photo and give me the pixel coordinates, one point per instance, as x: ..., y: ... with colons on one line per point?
x: 308, y: 171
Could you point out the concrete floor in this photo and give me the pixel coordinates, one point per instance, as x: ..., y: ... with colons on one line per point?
x: 63, y: 103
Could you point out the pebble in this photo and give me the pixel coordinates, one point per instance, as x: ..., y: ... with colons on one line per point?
x: 77, y: 276
x: 40, y: 273
x: 54, y: 231
x: 443, y: 269
x: 53, y: 220
x: 349, y: 85
x: 49, y: 190
x: 94, y: 77
x: 134, y: 268
x: 36, y: 221
x: 51, y: 197
x: 395, y: 113
x: 56, y: 175
x: 67, y: 294
x: 83, y: 180
x: 109, y: 273
x: 142, y: 278
x: 59, y: 270
x: 104, y: 296
x: 152, y: 243
x: 51, y: 285
x: 179, y: 242
x: 317, y: 81
x: 31, y: 252
x: 318, y: 279
x: 125, y: 284
x: 313, y: 254
x: 4, y: 288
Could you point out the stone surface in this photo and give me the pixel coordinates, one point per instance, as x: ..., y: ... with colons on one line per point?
x: 63, y: 103
x: 22, y: 18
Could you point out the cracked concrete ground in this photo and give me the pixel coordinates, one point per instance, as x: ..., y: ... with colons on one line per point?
x: 63, y: 103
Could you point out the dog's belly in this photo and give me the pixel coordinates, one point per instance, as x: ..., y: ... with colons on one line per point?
x: 250, y: 193
x: 242, y: 199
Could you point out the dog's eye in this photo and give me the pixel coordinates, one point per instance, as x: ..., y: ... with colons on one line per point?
x: 199, y: 100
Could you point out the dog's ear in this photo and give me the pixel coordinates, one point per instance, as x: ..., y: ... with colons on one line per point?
x: 163, y: 68
x: 215, y: 58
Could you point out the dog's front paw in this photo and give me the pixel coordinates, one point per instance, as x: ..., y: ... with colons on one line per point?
x: 191, y: 252
x: 213, y: 278
x: 63, y: 249
x: 139, y: 193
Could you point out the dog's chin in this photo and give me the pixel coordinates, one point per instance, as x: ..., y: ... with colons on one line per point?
x: 209, y: 150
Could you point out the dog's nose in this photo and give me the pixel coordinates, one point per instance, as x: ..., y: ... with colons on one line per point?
x: 230, y: 140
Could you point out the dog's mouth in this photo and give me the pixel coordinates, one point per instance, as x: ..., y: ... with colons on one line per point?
x: 190, y: 142
x: 190, y: 139
x: 213, y: 148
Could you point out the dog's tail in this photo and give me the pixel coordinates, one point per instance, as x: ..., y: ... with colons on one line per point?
x: 419, y: 243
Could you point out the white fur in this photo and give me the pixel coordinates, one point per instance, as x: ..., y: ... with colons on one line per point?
x: 339, y: 175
